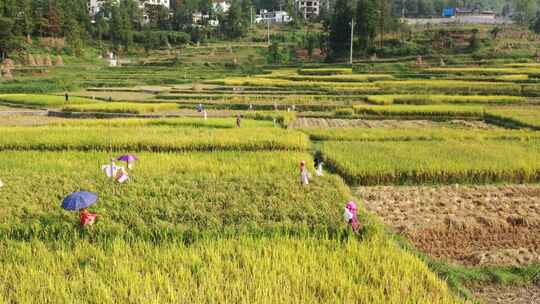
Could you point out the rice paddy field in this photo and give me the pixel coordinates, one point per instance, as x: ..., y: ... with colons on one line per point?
x: 444, y: 163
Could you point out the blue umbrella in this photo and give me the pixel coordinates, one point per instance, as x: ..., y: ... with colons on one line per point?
x: 79, y: 200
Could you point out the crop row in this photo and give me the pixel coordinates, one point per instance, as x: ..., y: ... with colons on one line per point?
x: 443, y: 99
x: 528, y: 117
x: 432, y: 162
x: 426, y: 86
x: 339, y: 78
x: 43, y: 100
x: 243, y: 270
x: 169, y: 196
x: 420, y: 110
x: 122, y: 107
x: 164, y: 139
x: 417, y: 134
x: 325, y: 71
x: 533, y: 71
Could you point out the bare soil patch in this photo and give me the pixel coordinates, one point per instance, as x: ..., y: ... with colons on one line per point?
x: 323, y: 123
x: 470, y: 225
x: 14, y: 119
x: 495, y: 294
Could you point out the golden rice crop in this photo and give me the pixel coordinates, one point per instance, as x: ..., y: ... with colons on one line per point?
x: 122, y: 107
x: 528, y: 117
x: 169, y: 195
x: 340, y: 78
x: 486, y: 71
x: 432, y: 162
x: 415, y: 134
x: 184, y: 122
x: 295, y: 85
x: 420, y: 110
x: 43, y: 100
x: 164, y: 139
x: 243, y: 270
x: 449, y: 87
x: 325, y: 71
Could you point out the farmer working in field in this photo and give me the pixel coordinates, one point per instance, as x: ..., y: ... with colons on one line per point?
x: 304, y: 174
x: 87, y: 218
x: 121, y: 176
x: 110, y: 169
x: 318, y: 166
x: 238, y: 120
x: 350, y: 216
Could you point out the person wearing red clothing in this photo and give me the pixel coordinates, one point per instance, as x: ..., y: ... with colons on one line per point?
x: 87, y: 218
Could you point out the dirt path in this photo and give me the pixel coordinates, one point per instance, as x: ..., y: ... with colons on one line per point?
x: 472, y: 225
x: 304, y: 122
x: 495, y: 294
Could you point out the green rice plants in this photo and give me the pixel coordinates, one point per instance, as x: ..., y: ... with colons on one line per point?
x: 448, y: 87
x: 443, y: 99
x: 284, y: 84
x: 417, y: 134
x: 325, y: 71
x: 486, y: 71
x: 122, y: 107
x: 344, y: 112
x: 524, y: 117
x: 34, y: 100
x: 340, y: 78
x: 408, y: 111
x: 434, y: 162
x: 516, y: 77
x: 281, y: 117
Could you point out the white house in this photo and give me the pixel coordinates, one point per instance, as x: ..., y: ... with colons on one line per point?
x: 273, y: 17
x: 94, y: 6
x: 308, y: 8
x: 144, y: 3
x: 221, y: 6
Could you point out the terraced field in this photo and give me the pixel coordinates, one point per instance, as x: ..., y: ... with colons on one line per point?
x: 448, y: 158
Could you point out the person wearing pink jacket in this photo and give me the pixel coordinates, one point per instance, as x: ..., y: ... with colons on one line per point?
x: 350, y: 216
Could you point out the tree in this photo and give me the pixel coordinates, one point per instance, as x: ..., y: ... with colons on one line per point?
x: 535, y: 26
x: 340, y: 29
x: 23, y: 19
x: 53, y: 20
x: 6, y: 37
x: 234, y: 25
x: 474, y: 42
x: 524, y: 11
x: 385, y: 20
x: 366, y: 22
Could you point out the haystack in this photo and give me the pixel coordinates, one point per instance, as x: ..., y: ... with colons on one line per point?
x: 38, y: 60
x: 30, y: 60
x: 47, y: 60
x: 59, y: 61
x: 6, y: 72
x: 8, y: 63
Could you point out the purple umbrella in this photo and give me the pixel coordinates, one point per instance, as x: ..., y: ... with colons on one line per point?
x: 128, y: 158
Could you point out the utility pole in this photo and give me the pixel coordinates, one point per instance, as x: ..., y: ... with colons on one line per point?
x: 268, y: 30
x: 352, y: 39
